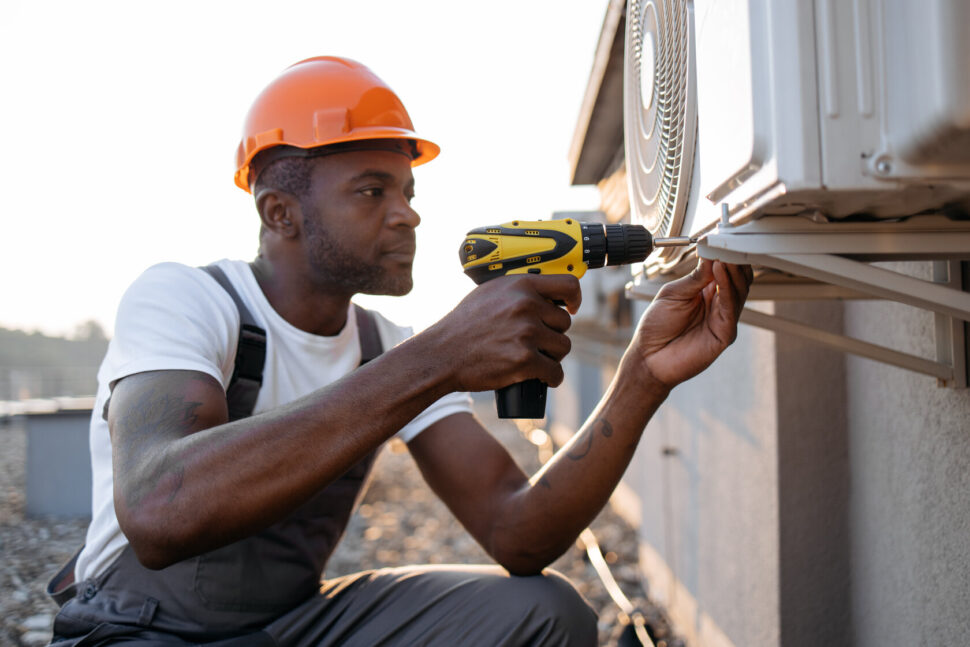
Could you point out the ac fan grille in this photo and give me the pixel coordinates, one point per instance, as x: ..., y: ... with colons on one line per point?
x: 660, y: 134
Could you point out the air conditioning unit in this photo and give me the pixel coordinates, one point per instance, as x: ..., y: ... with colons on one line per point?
x: 844, y: 109
x: 801, y: 135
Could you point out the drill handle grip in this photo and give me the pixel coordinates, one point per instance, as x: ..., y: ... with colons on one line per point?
x: 522, y: 400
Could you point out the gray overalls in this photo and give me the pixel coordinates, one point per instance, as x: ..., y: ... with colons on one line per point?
x: 266, y: 589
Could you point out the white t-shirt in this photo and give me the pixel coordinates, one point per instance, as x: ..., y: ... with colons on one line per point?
x: 175, y: 317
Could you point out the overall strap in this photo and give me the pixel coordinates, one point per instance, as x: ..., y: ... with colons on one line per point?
x: 370, y: 339
x: 247, y: 372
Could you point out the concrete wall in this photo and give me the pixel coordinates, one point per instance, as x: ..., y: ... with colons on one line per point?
x: 706, y: 474
x: 813, y: 483
x: 743, y: 479
x: 797, y: 496
x: 909, y: 452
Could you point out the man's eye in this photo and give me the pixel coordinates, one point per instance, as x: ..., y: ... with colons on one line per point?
x: 373, y: 192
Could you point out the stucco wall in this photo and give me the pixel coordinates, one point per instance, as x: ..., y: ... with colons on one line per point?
x: 793, y: 495
x: 813, y: 483
x: 909, y: 452
x: 743, y: 480
x: 706, y: 475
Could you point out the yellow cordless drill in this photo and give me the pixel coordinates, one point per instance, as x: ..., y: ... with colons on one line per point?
x: 550, y: 247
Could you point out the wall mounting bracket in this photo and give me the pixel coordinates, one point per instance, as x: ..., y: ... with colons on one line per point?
x: 803, y: 259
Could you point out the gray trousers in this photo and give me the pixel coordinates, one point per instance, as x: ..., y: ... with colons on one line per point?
x: 265, y: 590
x: 430, y: 605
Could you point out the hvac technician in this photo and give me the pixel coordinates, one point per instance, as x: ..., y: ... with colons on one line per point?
x: 211, y: 524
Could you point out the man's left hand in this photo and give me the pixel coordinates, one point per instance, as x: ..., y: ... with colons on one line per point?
x: 691, y: 321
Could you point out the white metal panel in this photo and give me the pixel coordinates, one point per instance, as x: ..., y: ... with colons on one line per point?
x: 758, y: 121
x: 757, y: 104
x: 928, y: 61
x: 793, y: 93
x: 728, y: 100
x: 850, y: 86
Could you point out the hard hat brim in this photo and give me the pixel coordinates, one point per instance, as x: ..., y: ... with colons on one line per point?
x: 426, y: 150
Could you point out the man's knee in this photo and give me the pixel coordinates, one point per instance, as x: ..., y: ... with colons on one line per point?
x: 558, y: 613
x: 462, y: 605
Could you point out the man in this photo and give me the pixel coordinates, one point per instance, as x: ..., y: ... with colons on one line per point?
x: 216, y: 527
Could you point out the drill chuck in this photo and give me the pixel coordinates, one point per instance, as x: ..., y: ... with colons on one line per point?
x: 627, y: 244
x: 614, y: 244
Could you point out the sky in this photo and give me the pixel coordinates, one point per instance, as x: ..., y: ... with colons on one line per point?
x: 121, y: 120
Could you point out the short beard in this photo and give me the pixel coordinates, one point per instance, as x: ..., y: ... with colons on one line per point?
x: 334, y: 267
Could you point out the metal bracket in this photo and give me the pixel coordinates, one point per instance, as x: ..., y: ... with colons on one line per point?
x: 831, y: 260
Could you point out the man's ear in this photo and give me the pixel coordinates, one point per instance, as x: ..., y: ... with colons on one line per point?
x: 280, y: 212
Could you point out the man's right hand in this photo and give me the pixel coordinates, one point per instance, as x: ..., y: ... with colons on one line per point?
x: 509, y: 330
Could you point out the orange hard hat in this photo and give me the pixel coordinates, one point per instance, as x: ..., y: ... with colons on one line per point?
x: 323, y: 101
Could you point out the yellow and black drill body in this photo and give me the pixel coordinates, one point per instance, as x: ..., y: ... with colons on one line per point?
x: 550, y: 247
x: 546, y: 247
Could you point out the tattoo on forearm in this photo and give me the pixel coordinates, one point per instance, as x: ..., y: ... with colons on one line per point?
x: 544, y: 482
x: 605, y: 427
x: 152, y: 414
x: 583, y: 446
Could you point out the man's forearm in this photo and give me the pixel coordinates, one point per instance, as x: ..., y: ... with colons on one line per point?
x: 567, y: 493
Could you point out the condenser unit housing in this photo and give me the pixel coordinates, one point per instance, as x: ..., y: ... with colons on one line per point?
x: 809, y: 138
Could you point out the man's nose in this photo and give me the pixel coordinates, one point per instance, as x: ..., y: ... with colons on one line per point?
x: 404, y: 214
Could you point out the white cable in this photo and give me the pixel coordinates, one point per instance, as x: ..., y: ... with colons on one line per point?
x: 612, y: 588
